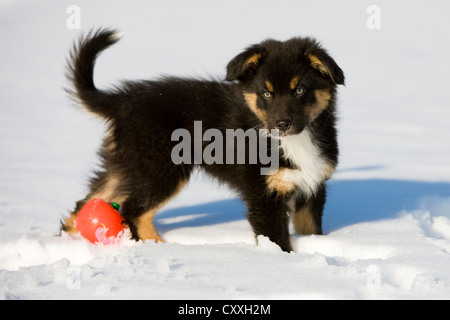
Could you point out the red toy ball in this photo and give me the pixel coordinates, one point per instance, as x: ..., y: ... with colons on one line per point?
x: 100, y: 222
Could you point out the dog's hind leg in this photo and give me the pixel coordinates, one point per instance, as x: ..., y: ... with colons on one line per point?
x: 105, y: 186
x: 141, y: 206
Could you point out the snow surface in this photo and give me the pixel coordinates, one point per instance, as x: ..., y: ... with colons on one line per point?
x: 387, y: 219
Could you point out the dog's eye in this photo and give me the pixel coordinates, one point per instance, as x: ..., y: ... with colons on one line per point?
x: 299, y: 91
x: 267, y: 95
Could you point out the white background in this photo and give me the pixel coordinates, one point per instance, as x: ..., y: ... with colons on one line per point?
x: 387, y: 220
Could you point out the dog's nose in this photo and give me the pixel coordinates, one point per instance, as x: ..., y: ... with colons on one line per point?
x: 284, y: 125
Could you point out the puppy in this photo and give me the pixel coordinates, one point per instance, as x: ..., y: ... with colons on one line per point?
x: 286, y: 87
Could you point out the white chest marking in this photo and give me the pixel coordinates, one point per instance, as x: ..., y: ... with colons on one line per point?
x: 312, y: 168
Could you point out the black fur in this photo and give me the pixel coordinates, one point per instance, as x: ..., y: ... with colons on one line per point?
x: 142, y: 115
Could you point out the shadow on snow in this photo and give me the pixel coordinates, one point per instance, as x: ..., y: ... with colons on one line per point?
x: 349, y: 202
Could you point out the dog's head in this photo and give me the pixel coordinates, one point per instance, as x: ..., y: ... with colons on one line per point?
x: 286, y: 84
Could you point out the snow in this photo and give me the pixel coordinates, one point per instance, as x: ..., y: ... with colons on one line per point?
x: 387, y: 219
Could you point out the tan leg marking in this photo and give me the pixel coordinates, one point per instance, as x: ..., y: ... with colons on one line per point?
x: 108, y: 192
x: 303, y: 221
x: 69, y: 223
x: 145, y: 227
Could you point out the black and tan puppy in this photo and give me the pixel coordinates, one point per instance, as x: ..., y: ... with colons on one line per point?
x: 289, y: 86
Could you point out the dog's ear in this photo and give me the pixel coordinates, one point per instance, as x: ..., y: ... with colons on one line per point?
x: 321, y: 61
x: 245, y: 64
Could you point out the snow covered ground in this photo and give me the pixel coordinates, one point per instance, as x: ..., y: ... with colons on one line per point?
x: 387, y: 220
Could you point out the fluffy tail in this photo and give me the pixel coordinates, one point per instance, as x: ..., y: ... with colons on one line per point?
x: 81, y: 71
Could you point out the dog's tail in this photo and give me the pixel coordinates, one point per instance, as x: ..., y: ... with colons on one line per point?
x: 81, y: 71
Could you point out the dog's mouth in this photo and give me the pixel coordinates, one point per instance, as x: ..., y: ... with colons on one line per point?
x: 282, y: 129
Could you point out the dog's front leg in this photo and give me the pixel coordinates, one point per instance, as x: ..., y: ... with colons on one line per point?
x: 307, y: 214
x: 268, y: 216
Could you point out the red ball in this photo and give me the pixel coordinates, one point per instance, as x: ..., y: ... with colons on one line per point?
x: 99, y: 222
